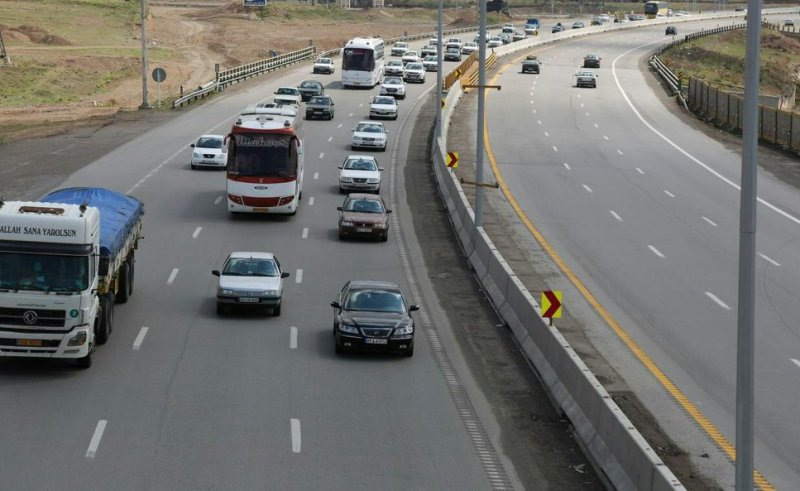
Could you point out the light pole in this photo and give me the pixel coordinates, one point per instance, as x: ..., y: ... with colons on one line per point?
x: 439, y: 62
x: 145, y: 104
x: 479, y: 150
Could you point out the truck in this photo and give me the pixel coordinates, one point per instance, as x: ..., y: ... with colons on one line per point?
x: 65, y: 260
x: 532, y: 23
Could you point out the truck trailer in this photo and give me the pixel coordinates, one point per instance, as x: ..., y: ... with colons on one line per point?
x: 65, y: 260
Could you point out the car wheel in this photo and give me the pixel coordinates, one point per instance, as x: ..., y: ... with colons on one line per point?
x: 221, y: 310
x: 383, y: 149
x: 409, y: 352
x: 395, y: 117
x: 276, y: 311
x: 193, y: 166
x: 341, y: 235
x: 337, y: 348
x: 385, y: 237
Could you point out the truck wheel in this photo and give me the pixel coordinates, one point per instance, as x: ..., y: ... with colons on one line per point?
x: 131, y: 270
x: 84, y: 362
x: 105, y: 323
x: 124, y: 283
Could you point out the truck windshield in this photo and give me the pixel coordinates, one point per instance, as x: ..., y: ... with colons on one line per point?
x: 263, y: 155
x: 43, y: 272
x: 359, y: 59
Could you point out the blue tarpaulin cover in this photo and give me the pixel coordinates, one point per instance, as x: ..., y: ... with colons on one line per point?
x: 118, y: 213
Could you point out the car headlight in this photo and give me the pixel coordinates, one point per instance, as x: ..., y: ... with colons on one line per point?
x: 272, y: 293
x: 348, y: 328
x: 346, y: 223
x: 225, y: 291
x: 78, y: 339
x: 195, y: 155
x: 374, y: 180
x: 404, y: 331
x: 345, y: 179
x: 379, y: 225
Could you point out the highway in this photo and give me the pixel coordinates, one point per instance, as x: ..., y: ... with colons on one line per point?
x: 182, y: 399
x: 645, y: 210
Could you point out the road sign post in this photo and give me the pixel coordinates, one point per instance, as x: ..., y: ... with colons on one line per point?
x: 452, y: 160
x: 159, y: 75
x: 551, y: 304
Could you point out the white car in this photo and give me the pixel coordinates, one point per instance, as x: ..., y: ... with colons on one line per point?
x: 429, y: 50
x: 324, y: 65
x: 360, y: 173
x: 434, y: 41
x: 415, y: 72
x: 495, y: 42
x: 508, y: 28
x: 393, y: 67
x: 394, y: 86
x: 411, y: 57
x: 399, y: 48
x: 250, y: 279
x: 453, y: 43
x: 469, y: 48
x: 288, y: 96
x: 369, y: 134
x: 430, y: 63
x: 486, y: 36
x: 383, y: 106
x: 585, y: 78
x: 209, y: 151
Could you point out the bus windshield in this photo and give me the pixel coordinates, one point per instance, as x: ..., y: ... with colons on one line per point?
x: 358, y: 59
x: 262, y: 155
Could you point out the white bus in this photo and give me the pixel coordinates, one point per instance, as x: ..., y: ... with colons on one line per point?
x: 362, y: 62
x: 265, y: 161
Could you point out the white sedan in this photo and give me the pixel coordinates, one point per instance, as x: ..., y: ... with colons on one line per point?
x: 250, y: 279
x: 393, y: 86
x: 394, y: 67
x: 430, y: 63
x: 415, y: 72
x: 209, y: 151
x: 469, y: 48
x: 360, y: 173
x: 369, y: 134
x: 495, y: 42
x: 410, y: 57
x: 383, y: 106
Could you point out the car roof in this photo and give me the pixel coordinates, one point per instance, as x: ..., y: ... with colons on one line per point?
x: 258, y: 255
x: 362, y: 157
x: 368, y: 196
x: 369, y: 121
x: 211, y: 136
x: 378, y: 285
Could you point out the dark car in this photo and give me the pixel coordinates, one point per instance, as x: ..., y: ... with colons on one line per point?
x: 506, y: 38
x: 671, y: 31
x: 373, y: 315
x: 591, y: 61
x: 310, y: 88
x: 320, y: 107
x: 531, y: 64
x: 558, y: 28
x: 452, y: 54
x: 364, y: 215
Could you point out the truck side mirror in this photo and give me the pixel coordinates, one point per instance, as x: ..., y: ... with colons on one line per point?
x: 215, y: 272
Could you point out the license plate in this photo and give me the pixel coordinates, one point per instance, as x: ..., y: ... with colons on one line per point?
x: 391, y: 90
x: 248, y: 300
x: 363, y: 229
x: 375, y: 341
x: 260, y: 210
x: 29, y: 342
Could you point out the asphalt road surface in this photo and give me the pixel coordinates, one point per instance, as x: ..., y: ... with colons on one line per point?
x: 645, y: 210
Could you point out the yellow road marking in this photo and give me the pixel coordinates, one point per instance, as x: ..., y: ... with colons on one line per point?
x: 640, y: 354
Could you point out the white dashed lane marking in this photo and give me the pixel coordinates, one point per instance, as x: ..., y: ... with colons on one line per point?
x: 296, y: 438
x: 769, y: 260
x: 587, y: 188
x: 546, y: 134
x: 350, y: 115
x: 172, y: 276
x: 555, y: 149
x: 137, y: 343
x: 196, y: 232
x: 322, y: 155
x: 668, y: 193
x: 298, y: 276
x: 539, y: 121
x: 293, y: 337
x: 217, y: 201
x: 316, y: 175
x: 620, y: 152
x: 656, y: 252
x: 96, y: 437
x: 710, y: 222
x: 305, y: 232
x: 311, y: 201
x: 615, y: 215
x: 330, y: 138
x: 605, y: 137
x: 640, y: 171
x: 796, y: 362
x: 717, y: 300
x: 567, y: 166
x: 340, y: 125
x: 596, y: 126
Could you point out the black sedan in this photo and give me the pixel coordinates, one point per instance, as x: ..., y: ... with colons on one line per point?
x: 591, y: 61
x: 310, y: 88
x: 373, y: 315
x: 671, y: 31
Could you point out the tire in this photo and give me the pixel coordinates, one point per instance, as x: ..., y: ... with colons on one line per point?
x: 276, y: 312
x: 409, y: 352
x: 383, y: 149
x: 221, y: 310
x: 131, y: 273
x: 385, y: 237
x: 194, y: 167
x: 341, y: 236
x: 336, y: 347
x: 85, y: 362
x: 124, y: 283
x: 105, y: 324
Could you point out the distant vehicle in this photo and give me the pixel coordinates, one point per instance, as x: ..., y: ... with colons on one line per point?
x: 531, y: 31
x: 434, y: 41
x: 671, y: 31
x: 251, y: 280
x: 394, y: 86
x: 519, y: 36
x: 604, y: 18
x: 383, y: 106
x: 591, y: 61
x: 558, y: 28
x: 453, y: 43
x: 364, y: 215
x: 415, y: 72
x: 411, y: 57
x: 597, y: 21
x: 739, y: 9
x: 430, y: 63
x: 578, y: 25
x: 360, y: 173
x: 788, y: 23
x: 531, y: 64
x: 373, y: 315
x: 209, y: 151
x: 585, y: 78
x: 310, y: 88
x: 288, y: 96
x: 495, y: 42
x: 508, y: 28
x: 362, y: 62
x: 320, y: 107
x: 653, y: 9
x: 399, y: 48
x: 429, y: 50
x: 505, y: 37
x: 369, y: 134
x: 324, y: 65
x: 394, y: 67
x: 452, y: 54
x: 532, y: 23
x: 469, y: 48
x: 477, y: 38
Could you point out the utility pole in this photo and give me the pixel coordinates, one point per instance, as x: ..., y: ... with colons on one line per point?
x: 479, y: 150
x: 3, y: 52
x: 439, y: 67
x: 145, y: 104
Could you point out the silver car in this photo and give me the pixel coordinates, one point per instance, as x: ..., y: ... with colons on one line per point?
x: 209, y: 151
x: 369, y: 134
x: 250, y: 279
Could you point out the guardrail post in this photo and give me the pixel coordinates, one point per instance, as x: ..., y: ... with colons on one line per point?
x: 216, y: 76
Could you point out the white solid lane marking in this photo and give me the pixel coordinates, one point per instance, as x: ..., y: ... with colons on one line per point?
x: 640, y: 171
x: 684, y: 152
x: 311, y: 201
x: 555, y: 149
x: 769, y: 259
x: 710, y: 222
x: 216, y: 201
x: 620, y: 152
x: 350, y: 115
x: 316, y: 175
x: 305, y: 232
x: 293, y: 337
x: 137, y: 343
x: 669, y: 194
x: 796, y: 362
x: 596, y: 126
x: 330, y: 138
x: 322, y: 155
x: 567, y: 166
x: 605, y: 137
x: 361, y: 105
x: 196, y: 232
x: 172, y: 276
x: 340, y: 125
x: 587, y: 188
x: 656, y: 252
x: 546, y: 134
x: 615, y: 215
x: 718, y: 301
x: 95, y: 441
x: 296, y: 438
x: 539, y: 121
x: 298, y: 278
